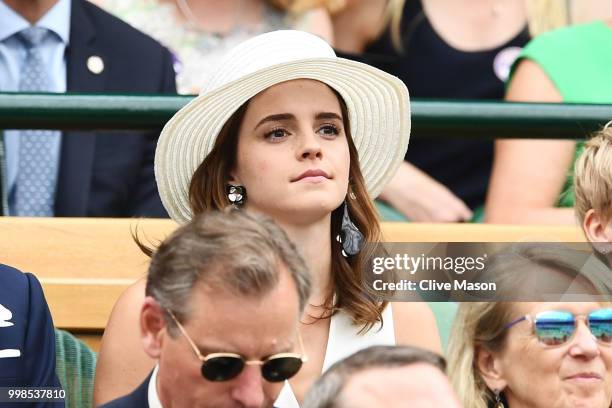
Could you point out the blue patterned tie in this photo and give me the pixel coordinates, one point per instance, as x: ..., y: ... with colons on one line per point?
x: 37, y: 171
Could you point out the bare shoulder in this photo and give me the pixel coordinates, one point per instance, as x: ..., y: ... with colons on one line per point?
x: 132, y: 296
x: 415, y: 325
x: 530, y: 83
x: 122, y: 363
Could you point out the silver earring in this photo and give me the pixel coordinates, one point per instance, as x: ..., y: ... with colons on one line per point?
x: 235, y: 194
x: 350, y: 237
x: 498, y: 400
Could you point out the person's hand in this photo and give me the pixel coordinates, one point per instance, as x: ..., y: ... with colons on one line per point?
x: 422, y: 199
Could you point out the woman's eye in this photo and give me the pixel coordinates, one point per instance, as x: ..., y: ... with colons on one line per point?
x: 276, y: 134
x: 329, y: 130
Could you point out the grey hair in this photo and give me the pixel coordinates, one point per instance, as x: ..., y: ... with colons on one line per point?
x: 230, y: 250
x: 326, y: 392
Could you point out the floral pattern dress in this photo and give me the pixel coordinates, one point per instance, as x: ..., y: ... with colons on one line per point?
x: 196, y: 52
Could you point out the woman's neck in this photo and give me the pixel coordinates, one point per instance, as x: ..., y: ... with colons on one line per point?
x: 314, y: 243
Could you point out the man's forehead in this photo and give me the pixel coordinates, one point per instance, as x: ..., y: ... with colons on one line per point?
x: 247, y: 325
x: 252, y: 347
x: 398, y: 373
x: 398, y: 382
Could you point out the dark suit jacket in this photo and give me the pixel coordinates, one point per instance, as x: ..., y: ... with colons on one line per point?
x: 139, y: 398
x: 105, y: 173
x: 26, y: 328
x: 111, y: 173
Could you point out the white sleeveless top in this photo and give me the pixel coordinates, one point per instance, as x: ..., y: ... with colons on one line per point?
x: 343, y: 341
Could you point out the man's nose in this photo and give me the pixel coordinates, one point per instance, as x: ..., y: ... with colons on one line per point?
x: 248, y: 388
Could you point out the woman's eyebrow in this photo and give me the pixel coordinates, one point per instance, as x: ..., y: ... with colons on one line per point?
x: 328, y: 115
x: 275, y: 118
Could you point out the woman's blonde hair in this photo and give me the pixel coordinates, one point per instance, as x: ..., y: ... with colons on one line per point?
x: 300, y: 6
x: 482, y: 325
x: 393, y: 19
x: 546, y: 15
x: 593, y: 176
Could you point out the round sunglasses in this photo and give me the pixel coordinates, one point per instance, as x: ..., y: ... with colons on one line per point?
x: 226, y: 366
x: 557, y: 327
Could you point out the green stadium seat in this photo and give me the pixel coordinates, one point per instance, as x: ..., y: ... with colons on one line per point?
x: 75, y: 367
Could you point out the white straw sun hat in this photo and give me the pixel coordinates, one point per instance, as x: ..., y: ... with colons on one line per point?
x: 377, y: 103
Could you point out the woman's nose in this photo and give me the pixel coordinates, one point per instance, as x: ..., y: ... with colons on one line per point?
x: 584, y: 343
x: 310, y: 146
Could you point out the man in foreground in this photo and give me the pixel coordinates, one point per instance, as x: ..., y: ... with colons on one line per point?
x: 223, y: 300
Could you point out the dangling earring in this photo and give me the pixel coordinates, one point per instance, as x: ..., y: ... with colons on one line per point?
x: 498, y: 401
x: 236, y: 194
x: 350, y: 237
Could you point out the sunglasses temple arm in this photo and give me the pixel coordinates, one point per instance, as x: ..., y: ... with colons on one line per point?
x: 304, y: 356
x: 512, y: 323
x: 191, y: 343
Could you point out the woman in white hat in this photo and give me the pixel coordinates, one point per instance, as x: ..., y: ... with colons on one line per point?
x: 287, y: 129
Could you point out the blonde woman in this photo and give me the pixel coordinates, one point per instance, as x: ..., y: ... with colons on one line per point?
x: 536, y: 354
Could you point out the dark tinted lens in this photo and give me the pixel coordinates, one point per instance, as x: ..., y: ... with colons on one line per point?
x: 554, y: 328
x: 222, y: 368
x: 600, y: 323
x: 280, y: 369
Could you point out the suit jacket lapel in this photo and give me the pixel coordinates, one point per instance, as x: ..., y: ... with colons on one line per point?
x: 77, y: 152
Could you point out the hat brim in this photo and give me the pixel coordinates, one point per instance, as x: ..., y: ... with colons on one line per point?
x: 379, y: 115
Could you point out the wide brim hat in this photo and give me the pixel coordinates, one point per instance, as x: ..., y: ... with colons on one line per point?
x: 378, y: 106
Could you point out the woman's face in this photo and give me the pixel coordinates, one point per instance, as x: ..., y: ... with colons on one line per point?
x: 293, y: 156
x: 574, y: 374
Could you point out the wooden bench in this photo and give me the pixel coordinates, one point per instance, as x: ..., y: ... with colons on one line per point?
x: 84, y: 264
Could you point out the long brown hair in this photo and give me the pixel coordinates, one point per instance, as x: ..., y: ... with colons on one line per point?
x: 207, y: 192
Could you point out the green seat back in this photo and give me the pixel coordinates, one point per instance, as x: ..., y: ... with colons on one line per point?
x: 445, y: 314
x: 75, y: 368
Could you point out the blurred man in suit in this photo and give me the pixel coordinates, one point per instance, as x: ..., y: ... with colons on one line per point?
x: 224, y: 297
x: 27, y: 339
x: 73, y: 46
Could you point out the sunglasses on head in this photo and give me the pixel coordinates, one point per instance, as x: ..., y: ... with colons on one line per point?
x: 226, y: 366
x: 556, y: 327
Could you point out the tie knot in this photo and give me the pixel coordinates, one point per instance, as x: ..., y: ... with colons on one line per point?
x: 32, y: 36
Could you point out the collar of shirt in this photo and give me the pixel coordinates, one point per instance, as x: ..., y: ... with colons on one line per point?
x: 153, y: 397
x: 57, y: 20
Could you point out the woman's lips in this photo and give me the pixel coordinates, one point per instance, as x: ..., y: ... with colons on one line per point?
x: 585, y: 378
x: 312, y: 176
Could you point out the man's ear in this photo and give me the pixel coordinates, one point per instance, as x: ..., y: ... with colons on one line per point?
x: 596, y: 227
x: 152, y: 327
x: 489, y: 367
